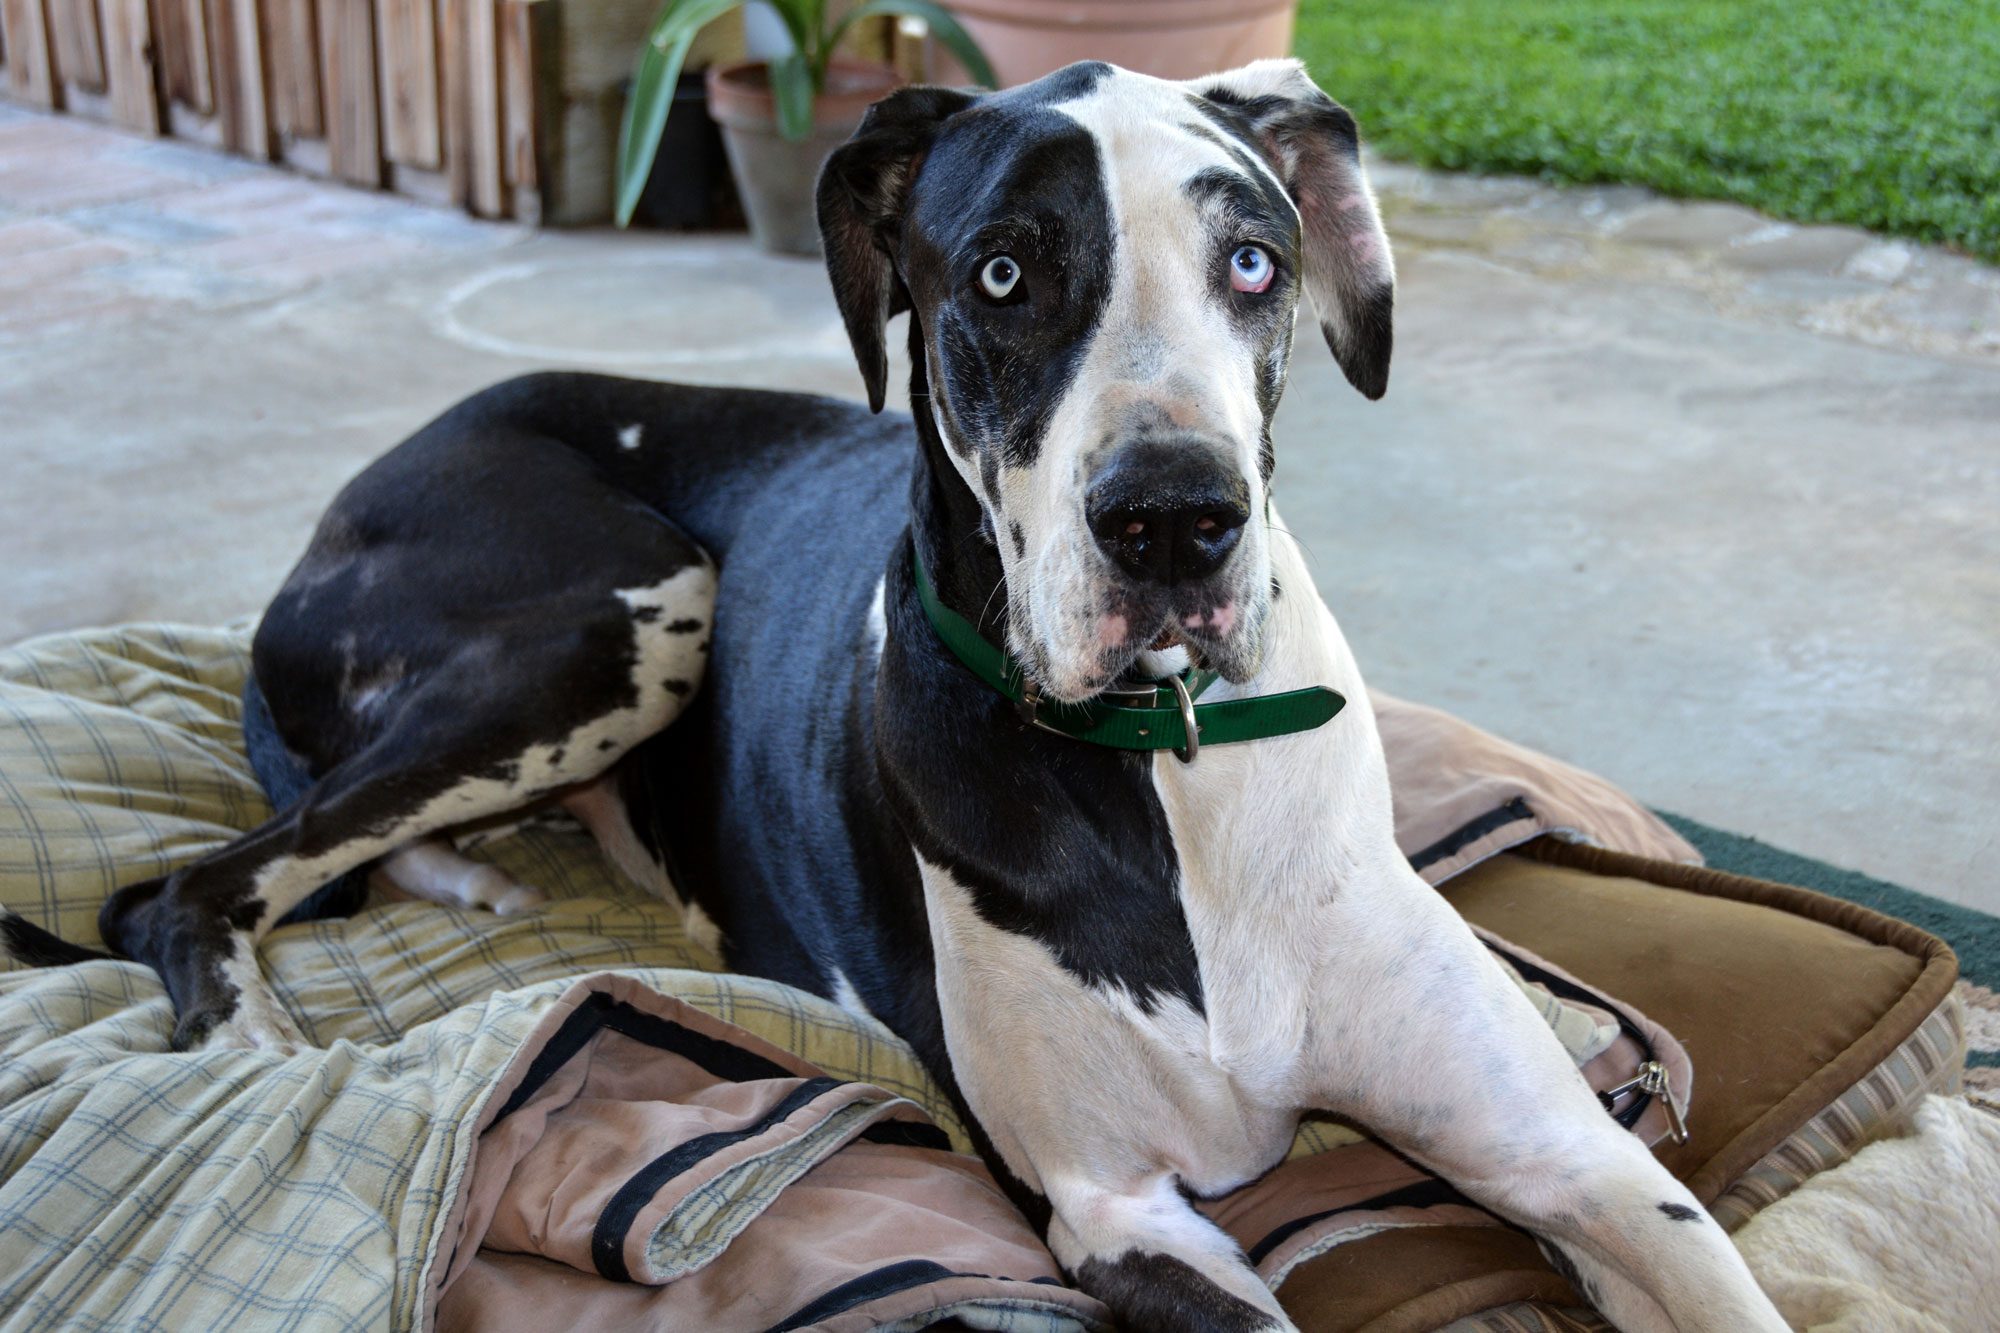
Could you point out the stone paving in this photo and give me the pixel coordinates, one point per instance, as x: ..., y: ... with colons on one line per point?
x: 1705, y: 502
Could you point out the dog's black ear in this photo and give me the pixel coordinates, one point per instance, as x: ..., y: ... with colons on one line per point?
x: 863, y: 189
x: 1311, y: 141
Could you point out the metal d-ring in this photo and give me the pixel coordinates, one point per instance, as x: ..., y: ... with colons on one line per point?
x: 1188, y: 727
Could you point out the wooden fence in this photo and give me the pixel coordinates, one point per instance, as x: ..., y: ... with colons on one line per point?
x: 456, y: 100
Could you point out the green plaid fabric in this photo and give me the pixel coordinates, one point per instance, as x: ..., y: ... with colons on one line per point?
x: 141, y: 1189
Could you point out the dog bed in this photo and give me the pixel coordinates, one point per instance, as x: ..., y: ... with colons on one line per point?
x: 314, y: 1192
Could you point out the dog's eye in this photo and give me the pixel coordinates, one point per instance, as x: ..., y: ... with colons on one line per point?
x: 999, y: 277
x: 1250, y: 269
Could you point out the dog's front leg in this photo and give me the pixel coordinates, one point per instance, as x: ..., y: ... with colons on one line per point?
x: 1435, y: 1049
x: 1142, y: 1249
x: 1086, y: 1098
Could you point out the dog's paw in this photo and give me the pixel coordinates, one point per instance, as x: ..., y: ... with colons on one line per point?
x: 498, y: 892
x: 253, y: 1026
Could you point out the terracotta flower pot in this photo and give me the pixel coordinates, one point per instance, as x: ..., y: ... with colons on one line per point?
x: 1174, y: 39
x: 775, y: 175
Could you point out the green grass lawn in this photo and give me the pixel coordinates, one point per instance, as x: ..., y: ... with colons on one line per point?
x: 1880, y: 113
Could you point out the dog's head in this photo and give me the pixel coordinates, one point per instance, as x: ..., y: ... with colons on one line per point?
x: 1104, y: 268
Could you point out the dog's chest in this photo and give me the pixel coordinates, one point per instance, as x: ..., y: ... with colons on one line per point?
x: 1055, y: 1063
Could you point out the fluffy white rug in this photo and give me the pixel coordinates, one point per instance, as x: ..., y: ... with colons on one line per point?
x: 1904, y: 1238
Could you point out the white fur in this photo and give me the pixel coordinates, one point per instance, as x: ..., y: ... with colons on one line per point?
x: 1320, y: 951
x: 260, y: 1022
x: 847, y: 997
x: 288, y: 879
x: 1905, y: 1238
x: 1163, y: 344
x: 431, y: 869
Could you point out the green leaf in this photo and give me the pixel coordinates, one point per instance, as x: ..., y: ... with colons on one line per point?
x: 652, y: 97
x: 942, y: 25
x: 803, y: 20
x: 792, y: 86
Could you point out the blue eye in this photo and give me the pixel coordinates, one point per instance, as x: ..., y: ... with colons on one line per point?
x: 998, y: 277
x: 1250, y: 269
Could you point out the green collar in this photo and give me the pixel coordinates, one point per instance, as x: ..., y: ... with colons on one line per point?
x: 1162, y: 716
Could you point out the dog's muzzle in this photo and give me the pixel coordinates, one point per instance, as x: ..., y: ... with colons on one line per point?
x: 1168, y: 512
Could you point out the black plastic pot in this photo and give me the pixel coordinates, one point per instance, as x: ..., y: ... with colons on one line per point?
x: 689, y: 187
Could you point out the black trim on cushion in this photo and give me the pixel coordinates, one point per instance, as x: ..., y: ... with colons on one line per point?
x: 887, y: 1281
x: 1569, y: 990
x: 1423, y: 1194
x: 908, y: 1134
x: 600, y: 1011
x: 1467, y: 834
x: 607, y: 1238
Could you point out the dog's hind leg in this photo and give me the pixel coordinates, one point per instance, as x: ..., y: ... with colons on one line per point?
x: 445, y: 757
x: 432, y: 869
x: 601, y: 808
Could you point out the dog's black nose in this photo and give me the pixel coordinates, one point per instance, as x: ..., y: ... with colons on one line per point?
x: 1168, y: 511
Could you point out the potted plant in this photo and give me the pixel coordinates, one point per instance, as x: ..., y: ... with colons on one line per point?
x: 779, y: 118
x: 1173, y: 39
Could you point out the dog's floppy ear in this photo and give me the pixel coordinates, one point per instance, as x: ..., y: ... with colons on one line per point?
x: 1310, y: 140
x: 862, y: 192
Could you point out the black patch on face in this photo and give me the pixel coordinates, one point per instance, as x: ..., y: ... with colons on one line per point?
x: 1680, y: 1212
x: 1146, y: 1289
x: 1019, y: 539
x: 678, y: 688
x: 685, y: 625
x: 1009, y: 177
x: 645, y: 615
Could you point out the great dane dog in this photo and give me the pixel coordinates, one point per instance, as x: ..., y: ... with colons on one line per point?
x: 715, y: 624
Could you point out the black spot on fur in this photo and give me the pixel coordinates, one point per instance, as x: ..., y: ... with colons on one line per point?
x: 685, y: 625
x: 607, y: 744
x: 1019, y: 539
x: 678, y: 688
x: 1680, y: 1212
x: 645, y: 615
x: 556, y: 755
x: 1149, y: 1290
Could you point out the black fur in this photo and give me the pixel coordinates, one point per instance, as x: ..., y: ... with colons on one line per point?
x: 1158, y: 1291
x: 457, y: 606
x: 30, y: 945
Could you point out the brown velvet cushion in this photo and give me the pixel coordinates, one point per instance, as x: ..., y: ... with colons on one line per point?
x: 1784, y: 998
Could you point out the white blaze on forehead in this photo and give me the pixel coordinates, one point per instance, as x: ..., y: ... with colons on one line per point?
x: 1164, y: 351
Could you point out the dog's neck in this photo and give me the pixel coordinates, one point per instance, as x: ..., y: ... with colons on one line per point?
x: 946, y: 521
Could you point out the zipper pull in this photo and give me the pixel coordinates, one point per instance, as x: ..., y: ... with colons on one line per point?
x: 1653, y: 1079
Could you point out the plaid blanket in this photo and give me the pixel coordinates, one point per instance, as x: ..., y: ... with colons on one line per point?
x: 140, y: 1189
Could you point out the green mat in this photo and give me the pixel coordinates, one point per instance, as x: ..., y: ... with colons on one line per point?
x: 1974, y: 935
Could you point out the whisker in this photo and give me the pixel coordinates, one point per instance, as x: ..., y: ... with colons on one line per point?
x: 997, y: 584
x: 1303, y: 545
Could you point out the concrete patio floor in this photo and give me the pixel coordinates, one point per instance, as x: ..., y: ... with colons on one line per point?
x: 1705, y: 503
